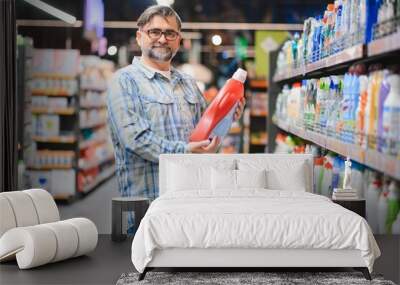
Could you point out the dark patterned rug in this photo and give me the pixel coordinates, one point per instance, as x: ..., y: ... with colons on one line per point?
x: 231, y: 278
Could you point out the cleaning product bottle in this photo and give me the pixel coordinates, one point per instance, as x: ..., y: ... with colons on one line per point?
x: 383, y: 93
x: 221, y: 108
x: 372, y: 198
x: 357, y: 182
x: 326, y: 175
x: 391, y: 116
x: 318, y: 173
x: 361, y: 110
x: 383, y: 207
x: 393, y: 205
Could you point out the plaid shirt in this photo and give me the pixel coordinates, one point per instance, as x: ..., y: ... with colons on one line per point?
x: 149, y: 114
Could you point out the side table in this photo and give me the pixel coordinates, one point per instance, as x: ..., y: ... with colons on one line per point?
x: 357, y: 205
x: 138, y: 205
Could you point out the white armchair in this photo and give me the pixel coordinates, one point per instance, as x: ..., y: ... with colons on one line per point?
x: 31, y: 230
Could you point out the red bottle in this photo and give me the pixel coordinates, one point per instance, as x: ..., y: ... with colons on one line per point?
x: 223, y: 103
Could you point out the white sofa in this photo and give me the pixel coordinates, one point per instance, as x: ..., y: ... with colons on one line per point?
x: 177, y: 230
x: 31, y: 231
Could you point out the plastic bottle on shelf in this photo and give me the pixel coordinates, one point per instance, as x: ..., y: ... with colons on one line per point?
x: 372, y: 108
x: 393, y: 205
x: 383, y: 93
x: 361, y: 110
x: 318, y: 174
x: 383, y: 207
x: 372, y: 197
x: 391, y: 116
x: 326, y: 188
x: 357, y: 178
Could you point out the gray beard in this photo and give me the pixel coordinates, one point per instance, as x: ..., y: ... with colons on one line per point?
x: 158, y: 54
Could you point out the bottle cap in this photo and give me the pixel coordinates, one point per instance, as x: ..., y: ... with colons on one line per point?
x: 240, y: 75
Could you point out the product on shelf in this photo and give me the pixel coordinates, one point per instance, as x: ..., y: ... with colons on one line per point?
x: 353, y: 108
x: 382, y: 194
x: 62, y: 101
x: 344, y: 24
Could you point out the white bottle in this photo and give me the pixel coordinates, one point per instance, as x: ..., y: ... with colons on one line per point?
x: 391, y: 115
x: 383, y: 208
x: 372, y: 197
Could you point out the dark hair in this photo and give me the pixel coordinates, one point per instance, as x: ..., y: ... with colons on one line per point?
x: 158, y: 10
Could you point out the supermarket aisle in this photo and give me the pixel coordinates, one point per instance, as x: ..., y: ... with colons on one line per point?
x: 96, y: 206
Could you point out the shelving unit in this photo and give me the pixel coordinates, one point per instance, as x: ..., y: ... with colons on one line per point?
x: 24, y: 102
x: 96, y: 160
x: 257, y: 98
x: 371, y: 158
x: 344, y: 57
x: 382, y: 48
x: 72, y: 151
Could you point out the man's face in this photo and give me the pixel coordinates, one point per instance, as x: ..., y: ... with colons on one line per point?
x: 159, y: 39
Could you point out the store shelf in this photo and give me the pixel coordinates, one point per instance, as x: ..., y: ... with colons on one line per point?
x: 87, y: 106
x: 49, y: 110
x: 371, y: 158
x: 42, y: 92
x: 259, y: 114
x: 255, y: 142
x: 54, y: 76
x: 91, y: 142
x: 384, y: 45
x: 68, y: 198
x: 258, y: 83
x: 93, y: 88
x: 93, y: 125
x: 96, y: 163
x: 235, y: 131
x: 50, y: 167
x: 347, y: 55
x: 55, y: 139
x: 99, y: 179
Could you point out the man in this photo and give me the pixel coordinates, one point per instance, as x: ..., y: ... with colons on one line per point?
x: 153, y: 107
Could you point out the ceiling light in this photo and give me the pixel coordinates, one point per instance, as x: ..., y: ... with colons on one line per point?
x: 216, y: 40
x: 165, y: 2
x: 53, y: 11
x: 112, y: 50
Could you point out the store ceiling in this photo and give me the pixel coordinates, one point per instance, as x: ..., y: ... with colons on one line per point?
x: 253, y: 11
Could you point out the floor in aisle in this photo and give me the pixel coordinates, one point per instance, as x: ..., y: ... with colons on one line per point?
x: 95, y: 206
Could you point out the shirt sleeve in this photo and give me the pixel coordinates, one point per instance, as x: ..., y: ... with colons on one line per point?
x: 129, y: 125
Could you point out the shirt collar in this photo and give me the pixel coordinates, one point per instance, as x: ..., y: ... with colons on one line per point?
x: 149, y: 73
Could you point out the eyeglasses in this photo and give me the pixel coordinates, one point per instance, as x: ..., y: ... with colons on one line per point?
x: 155, y: 34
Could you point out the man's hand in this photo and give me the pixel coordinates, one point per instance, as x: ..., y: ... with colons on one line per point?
x: 239, y: 109
x: 204, y: 146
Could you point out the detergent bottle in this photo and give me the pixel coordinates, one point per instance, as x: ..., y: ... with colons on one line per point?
x: 218, y: 117
x: 391, y: 116
x: 383, y: 207
x: 393, y: 205
x: 372, y: 197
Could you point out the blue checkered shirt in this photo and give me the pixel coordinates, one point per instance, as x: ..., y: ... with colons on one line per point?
x: 149, y: 114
